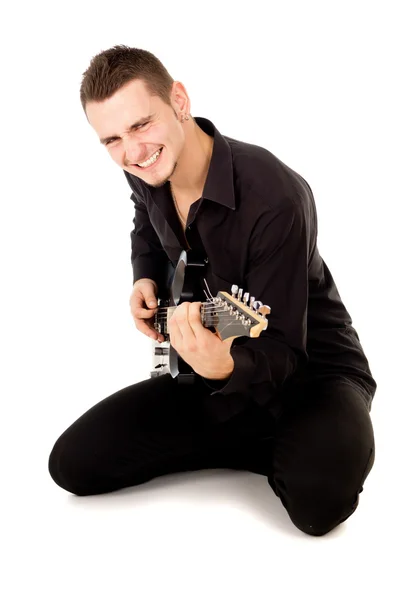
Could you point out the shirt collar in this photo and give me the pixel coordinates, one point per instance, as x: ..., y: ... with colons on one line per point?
x: 219, y: 186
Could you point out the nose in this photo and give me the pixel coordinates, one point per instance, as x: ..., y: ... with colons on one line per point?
x: 134, y: 152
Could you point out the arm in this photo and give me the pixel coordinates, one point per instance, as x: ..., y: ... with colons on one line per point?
x: 277, y: 274
x: 148, y: 258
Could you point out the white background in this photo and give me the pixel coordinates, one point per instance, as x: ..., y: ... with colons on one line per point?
x: 313, y: 82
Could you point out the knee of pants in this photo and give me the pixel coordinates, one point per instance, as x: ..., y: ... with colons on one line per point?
x: 319, y: 520
x: 317, y: 508
x: 67, y: 470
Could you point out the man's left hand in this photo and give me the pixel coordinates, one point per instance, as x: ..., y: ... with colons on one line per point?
x: 204, y: 351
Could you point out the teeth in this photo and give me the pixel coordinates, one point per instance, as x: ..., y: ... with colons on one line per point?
x: 151, y: 160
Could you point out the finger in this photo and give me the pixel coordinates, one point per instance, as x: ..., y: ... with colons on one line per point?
x: 146, y: 329
x: 144, y: 313
x: 178, y: 327
x: 139, y: 310
x: 195, y: 318
x: 174, y: 334
x: 181, y: 317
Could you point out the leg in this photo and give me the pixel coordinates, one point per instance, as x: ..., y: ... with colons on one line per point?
x: 145, y: 430
x: 323, y: 451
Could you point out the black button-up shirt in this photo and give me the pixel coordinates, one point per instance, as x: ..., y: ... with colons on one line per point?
x: 257, y: 224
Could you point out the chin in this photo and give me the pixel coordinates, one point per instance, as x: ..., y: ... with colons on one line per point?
x: 158, y: 184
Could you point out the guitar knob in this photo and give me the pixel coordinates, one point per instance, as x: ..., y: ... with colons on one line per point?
x: 264, y: 310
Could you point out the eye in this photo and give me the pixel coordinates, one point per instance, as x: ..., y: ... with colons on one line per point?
x: 137, y: 127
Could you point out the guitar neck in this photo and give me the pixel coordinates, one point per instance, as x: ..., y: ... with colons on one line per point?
x: 226, y: 313
x: 208, y: 312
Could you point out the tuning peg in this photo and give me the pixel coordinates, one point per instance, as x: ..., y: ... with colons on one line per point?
x: 240, y: 294
x: 252, y: 299
x: 256, y: 305
x: 234, y: 290
x: 246, y: 297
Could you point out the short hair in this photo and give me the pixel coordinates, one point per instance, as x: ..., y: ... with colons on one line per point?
x: 111, y: 69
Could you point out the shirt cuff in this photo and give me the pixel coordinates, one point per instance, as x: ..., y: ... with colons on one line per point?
x: 241, y: 376
x: 233, y: 392
x: 144, y: 267
x: 160, y: 273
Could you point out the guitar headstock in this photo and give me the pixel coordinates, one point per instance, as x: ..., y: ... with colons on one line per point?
x: 245, y: 315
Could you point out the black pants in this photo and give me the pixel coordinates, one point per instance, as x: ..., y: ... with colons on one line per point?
x: 316, y: 454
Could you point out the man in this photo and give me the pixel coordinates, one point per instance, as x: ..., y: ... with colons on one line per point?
x: 293, y: 403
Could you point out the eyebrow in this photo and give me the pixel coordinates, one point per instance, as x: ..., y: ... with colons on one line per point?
x: 132, y: 127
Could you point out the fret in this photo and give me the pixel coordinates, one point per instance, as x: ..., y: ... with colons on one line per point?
x: 162, y: 319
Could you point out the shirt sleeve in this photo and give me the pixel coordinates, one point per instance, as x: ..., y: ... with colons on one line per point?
x: 277, y: 275
x: 148, y: 257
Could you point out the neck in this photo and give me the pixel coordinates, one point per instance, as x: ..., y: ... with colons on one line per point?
x: 193, y: 163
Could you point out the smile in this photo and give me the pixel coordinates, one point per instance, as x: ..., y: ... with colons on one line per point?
x: 151, y: 160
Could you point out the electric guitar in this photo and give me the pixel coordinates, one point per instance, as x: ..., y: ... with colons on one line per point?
x: 226, y: 315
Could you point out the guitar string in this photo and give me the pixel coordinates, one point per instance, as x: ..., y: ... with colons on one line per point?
x: 216, y: 308
x: 204, y: 312
x: 211, y: 322
x: 214, y: 320
x: 215, y: 317
x: 206, y: 304
x: 219, y: 313
x: 208, y: 318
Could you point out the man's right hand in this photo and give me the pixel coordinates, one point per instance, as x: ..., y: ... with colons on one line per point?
x: 143, y: 294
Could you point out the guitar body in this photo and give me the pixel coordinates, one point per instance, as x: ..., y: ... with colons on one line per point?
x: 225, y: 315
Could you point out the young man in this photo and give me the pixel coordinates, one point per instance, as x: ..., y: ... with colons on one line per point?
x: 293, y: 403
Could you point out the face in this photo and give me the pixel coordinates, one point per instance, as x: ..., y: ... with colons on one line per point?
x: 112, y: 120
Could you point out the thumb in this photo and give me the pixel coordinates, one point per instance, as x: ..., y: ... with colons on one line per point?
x: 152, y: 302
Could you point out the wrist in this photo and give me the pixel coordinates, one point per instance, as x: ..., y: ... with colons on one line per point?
x: 146, y: 280
x: 225, y: 373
